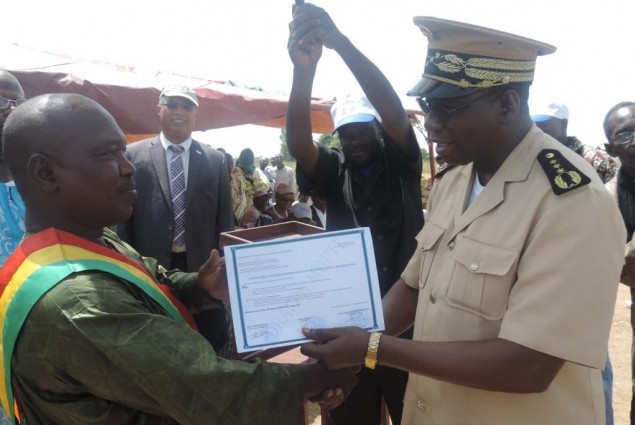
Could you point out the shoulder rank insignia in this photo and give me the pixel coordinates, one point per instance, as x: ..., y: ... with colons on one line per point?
x: 562, y: 175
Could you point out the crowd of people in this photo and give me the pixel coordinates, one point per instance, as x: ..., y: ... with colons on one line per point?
x: 266, y: 194
x: 114, y: 297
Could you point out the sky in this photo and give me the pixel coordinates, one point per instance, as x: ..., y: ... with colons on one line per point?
x: 245, y: 41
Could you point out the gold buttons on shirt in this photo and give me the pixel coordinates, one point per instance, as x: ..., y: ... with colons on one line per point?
x: 474, y: 267
x: 421, y: 405
x: 451, y: 245
x: 433, y: 298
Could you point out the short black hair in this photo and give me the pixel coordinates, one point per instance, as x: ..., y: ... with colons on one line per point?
x: 605, y: 125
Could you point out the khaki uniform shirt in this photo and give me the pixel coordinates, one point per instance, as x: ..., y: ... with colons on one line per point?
x: 522, y: 264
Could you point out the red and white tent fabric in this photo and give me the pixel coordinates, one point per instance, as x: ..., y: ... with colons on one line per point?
x: 130, y: 94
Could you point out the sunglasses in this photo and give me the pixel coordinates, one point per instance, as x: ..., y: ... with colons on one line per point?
x: 622, y: 138
x: 445, y: 112
x: 173, y: 106
x: 5, y: 103
x: 286, y: 199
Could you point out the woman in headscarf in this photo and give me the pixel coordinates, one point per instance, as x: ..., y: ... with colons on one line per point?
x: 244, y: 183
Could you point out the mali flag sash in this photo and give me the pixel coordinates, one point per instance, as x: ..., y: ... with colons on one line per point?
x: 44, y: 260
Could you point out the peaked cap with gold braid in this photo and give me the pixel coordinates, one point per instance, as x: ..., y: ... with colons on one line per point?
x: 463, y: 58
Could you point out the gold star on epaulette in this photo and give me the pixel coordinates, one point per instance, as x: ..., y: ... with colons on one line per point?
x: 562, y: 175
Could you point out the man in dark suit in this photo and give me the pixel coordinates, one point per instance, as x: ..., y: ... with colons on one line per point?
x: 157, y: 229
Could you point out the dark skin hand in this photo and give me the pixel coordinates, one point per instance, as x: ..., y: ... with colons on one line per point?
x: 491, y: 365
x: 311, y: 29
x: 338, y: 385
x: 212, y: 278
x: 488, y: 364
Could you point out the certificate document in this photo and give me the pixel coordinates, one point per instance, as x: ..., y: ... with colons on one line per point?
x: 279, y: 286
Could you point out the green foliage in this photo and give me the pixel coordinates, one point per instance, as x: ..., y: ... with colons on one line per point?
x: 426, y: 163
x: 284, y: 150
x: 328, y: 141
x: 324, y: 140
x: 424, y: 155
x: 425, y: 158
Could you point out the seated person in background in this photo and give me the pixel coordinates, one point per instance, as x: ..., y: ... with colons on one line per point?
x: 255, y: 212
x: 250, y: 218
x: 106, y: 338
x: 261, y: 200
x: 261, y: 203
x: 301, y: 212
x: 255, y: 215
x: 284, y: 197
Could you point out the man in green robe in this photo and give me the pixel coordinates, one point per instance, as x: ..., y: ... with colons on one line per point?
x: 98, y: 349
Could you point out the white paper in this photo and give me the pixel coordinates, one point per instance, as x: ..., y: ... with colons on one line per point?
x: 278, y: 287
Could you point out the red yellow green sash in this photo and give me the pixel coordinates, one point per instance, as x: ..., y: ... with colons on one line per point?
x: 41, y: 262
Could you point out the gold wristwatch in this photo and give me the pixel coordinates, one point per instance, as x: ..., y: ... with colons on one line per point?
x: 371, y: 354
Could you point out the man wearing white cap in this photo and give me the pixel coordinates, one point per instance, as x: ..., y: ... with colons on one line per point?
x: 512, y: 303
x: 284, y: 197
x: 373, y: 181
x: 301, y: 211
x: 553, y: 119
x: 184, y: 197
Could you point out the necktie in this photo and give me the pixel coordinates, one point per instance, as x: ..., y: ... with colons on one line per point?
x: 177, y: 174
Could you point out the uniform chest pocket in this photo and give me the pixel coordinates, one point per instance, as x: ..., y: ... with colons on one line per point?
x: 482, y: 277
x: 427, y: 240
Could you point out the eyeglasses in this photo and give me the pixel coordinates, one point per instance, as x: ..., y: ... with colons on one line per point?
x: 286, y: 199
x: 445, y: 112
x: 173, y: 106
x: 5, y: 103
x: 622, y: 138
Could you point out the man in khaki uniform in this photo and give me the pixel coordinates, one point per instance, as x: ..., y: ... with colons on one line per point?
x: 512, y: 304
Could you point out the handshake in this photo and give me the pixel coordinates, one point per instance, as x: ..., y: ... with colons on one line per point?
x: 328, y: 388
x: 341, y: 352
